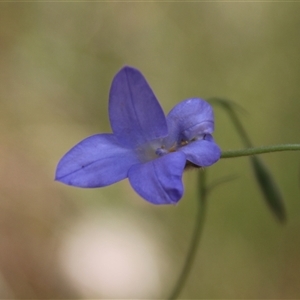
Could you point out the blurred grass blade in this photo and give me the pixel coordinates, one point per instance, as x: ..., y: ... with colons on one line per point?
x: 264, y: 178
x: 269, y: 188
x: 230, y: 107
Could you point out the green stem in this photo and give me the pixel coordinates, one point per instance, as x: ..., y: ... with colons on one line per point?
x: 195, y: 238
x: 202, y: 207
x: 259, y: 150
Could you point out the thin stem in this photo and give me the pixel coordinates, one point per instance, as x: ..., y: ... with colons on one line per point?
x: 195, y: 239
x: 202, y: 207
x: 259, y: 150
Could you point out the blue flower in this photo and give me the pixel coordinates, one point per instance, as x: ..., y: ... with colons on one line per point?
x: 150, y: 149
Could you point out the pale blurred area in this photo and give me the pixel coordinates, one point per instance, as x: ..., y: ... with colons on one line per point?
x: 57, y: 61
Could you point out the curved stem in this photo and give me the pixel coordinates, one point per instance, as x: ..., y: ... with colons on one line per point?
x: 259, y: 150
x: 202, y: 207
x: 194, y: 241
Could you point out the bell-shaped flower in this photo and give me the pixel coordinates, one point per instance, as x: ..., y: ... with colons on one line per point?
x: 146, y: 147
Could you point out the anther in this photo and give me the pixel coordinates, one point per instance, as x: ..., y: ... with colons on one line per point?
x: 161, y: 151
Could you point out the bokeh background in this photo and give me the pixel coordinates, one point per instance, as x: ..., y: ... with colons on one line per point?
x: 57, y: 61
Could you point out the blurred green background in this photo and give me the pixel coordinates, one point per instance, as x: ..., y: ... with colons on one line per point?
x: 57, y: 61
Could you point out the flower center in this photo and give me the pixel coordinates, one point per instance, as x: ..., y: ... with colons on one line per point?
x: 157, y: 149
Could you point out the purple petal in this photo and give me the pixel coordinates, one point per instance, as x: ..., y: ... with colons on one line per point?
x: 159, y: 181
x: 189, y: 119
x: 202, y: 152
x: 135, y: 114
x: 95, y: 162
